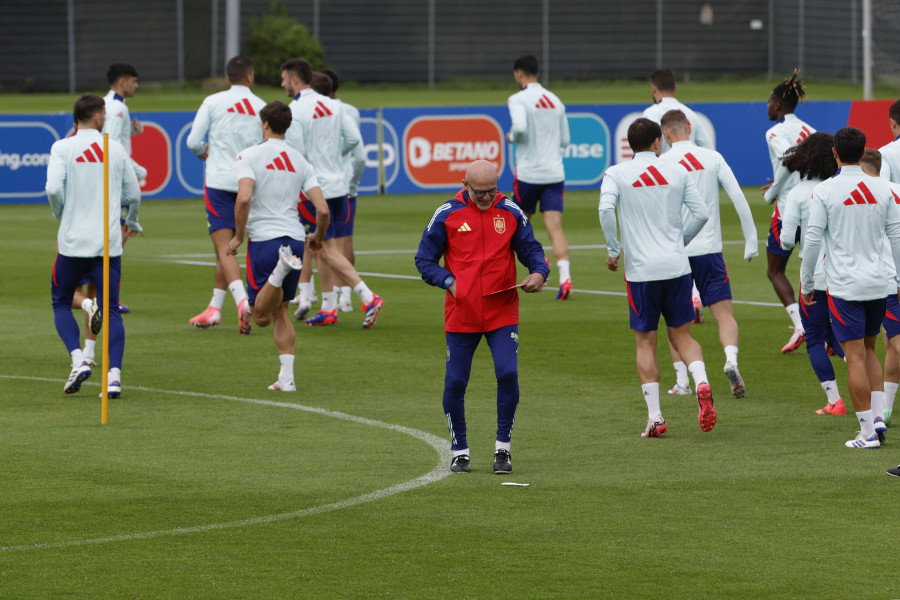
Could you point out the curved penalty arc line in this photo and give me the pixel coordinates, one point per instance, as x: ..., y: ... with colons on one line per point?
x: 439, y: 472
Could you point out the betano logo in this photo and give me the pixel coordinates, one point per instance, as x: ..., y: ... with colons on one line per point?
x: 437, y: 150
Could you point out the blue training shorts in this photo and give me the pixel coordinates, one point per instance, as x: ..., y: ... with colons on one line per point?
x: 337, y: 223
x: 219, y: 208
x: 670, y: 298
x: 711, y: 276
x: 854, y: 320
x: 549, y: 195
x: 773, y: 243
x: 891, y: 321
x: 261, y: 260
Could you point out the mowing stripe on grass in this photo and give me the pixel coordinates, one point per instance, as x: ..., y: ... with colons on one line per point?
x: 440, y: 471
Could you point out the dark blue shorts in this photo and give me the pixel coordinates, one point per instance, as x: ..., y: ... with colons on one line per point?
x: 219, y: 208
x: 549, y: 195
x: 338, y: 207
x: 351, y: 209
x: 854, y: 320
x: 773, y: 244
x: 711, y: 276
x: 70, y: 272
x: 670, y: 298
x: 891, y: 321
x: 261, y: 260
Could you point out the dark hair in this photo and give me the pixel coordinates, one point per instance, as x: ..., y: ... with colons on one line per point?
x: 278, y: 115
x: 849, y: 143
x: 812, y: 157
x: 321, y: 83
x: 663, y: 79
x: 333, y: 76
x: 86, y: 107
x: 238, y: 68
x: 790, y: 91
x: 871, y: 156
x: 642, y: 133
x: 674, y: 119
x: 528, y: 64
x: 299, y: 67
x: 119, y: 70
x: 894, y: 112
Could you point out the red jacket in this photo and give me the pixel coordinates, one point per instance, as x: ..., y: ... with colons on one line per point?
x: 479, y: 249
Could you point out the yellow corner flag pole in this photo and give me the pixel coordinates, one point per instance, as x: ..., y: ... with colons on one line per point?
x: 104, y: 397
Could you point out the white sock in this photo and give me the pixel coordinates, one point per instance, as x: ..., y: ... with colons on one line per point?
x: 305, y: 291
x: 89, y: 346
x: 329, y: 301
x: 115, y: 375
x: 86, y: 304
x: 651, y: 397
x: 731, y: 353
x: 218, y: 298
x: 281, y: 270
x: 878, y: 405
x: 463, y: 452
x: 698, y: 371
x: 77, y: 357
x: 681, y: 374
x: 866, y: 424
x: 364, y: 293
x: 563, y: 266
x: 793, y: 311
x: 890, y: 390
x: 346, y: 290
x: 237, y: 290
x: 501, y: 446
x: 287, y: 367
x: 831, y: 390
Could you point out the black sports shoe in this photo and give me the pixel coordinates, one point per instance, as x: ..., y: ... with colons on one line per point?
x: 502, y: 462
x: 895, y: 471
x: 460, y: 464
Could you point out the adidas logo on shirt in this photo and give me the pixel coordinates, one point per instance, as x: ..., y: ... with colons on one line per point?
x: 88, y: 156
x: 321, y: 110
x: 804, y: 133
x: 861, y: 195
x: 243, y: 107
x: 649, y: 178
x: 691, y: 163
x: 545, y: 102
x: 465, y: 227
x: 281, y: 163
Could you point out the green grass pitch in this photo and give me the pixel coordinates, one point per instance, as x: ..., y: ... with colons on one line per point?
x: 202, y: 486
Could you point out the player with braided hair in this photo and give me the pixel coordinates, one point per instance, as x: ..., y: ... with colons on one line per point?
x: 813, y: 160
x: 788, y: 131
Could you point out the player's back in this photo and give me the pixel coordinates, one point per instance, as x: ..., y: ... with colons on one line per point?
x: 320, y: 119
x: 890, y: 161
x: 118, y: 120
x: 234, y: 124
x: 539, y: 156
x: 699, y: 135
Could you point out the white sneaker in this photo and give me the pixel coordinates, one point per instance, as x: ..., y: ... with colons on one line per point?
x: 286, y: 255
x: 861, y: 442
x: 78, y: 374
x: 680, y: 390
x: 96, y: 319
x: 113, y: 390
x: 738, y: 389
x: 345, y: 305
x: 303, y: 308
x: 283, y: 386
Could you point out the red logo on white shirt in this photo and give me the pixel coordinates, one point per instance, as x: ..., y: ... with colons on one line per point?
x: 281, y: 163
x: 691, y: 163
x: 861, y: 195
x: 243, y: 107
x: 88, y: 156
x: 321, y: 110
x: 545, y: 102
x: 649, y: 178
x: 804, y: 133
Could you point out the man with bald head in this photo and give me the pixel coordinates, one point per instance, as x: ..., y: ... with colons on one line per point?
x: 479, y: 234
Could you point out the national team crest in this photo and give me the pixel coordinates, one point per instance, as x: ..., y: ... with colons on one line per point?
x: 499, y: 224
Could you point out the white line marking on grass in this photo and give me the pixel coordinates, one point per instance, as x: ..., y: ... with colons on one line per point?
x: 439, y: 472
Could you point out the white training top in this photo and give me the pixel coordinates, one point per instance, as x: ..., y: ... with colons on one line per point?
x: 280, y: 173
x: 708, y: 169
x: 231, y: 118
x: 650, y: 196
x: 699, y: 135
x: 75, y: 190
x: 355, y: 162
x: 796, y: 214
x: 888, y: 264
x: 328, y: 133
x: 540, y: 131
x: 890, y: 161
x: 118, y: 126
x: 851, y: 213
x: 787, y: 132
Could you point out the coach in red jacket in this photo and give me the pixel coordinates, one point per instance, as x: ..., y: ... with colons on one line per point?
x: 477, y: 233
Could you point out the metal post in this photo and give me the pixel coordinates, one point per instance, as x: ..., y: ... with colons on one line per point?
x: 71, y: 15
x: 179, y: 26
x: 232, y: 29
x: 431, y: 44
x: 867, y: 49
x: 214, y: 51
x: 659, y: 33
x: 316, y: 19
x: 801, y: 33
x: 771, y: 39
x: 546, y: 53
x: 854, y: 41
